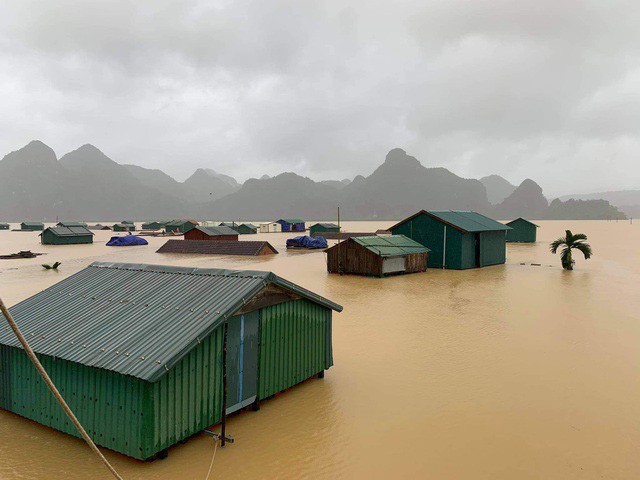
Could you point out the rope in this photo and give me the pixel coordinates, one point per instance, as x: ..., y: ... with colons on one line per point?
x: 215, y: 449
x: 54, y: 390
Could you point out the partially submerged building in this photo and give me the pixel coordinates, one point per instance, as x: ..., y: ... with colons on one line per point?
x: 323, y: 228
x: 32, y: 226
x: 377, y: 256
x: 138, y: 350
x: 180, y: 226
x: 152, y: 225
x: 247, y: 229
x: 71, y: 224
x: 522, y: 230
x: 66, y: 236
x: 270, y: 227
x: 211, y: 233
x: 215, y: 247
x: 123, y: 227
x: 457, y: 239
x: 4, y: 226
x: 292, y: 224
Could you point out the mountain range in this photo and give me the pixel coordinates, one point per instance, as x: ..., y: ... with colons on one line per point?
x: 86, y: 184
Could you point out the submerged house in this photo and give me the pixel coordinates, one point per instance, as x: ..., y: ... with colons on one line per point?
x: 214, y: 247
x: 180, y: 226
x: 4, y: 226
x: 247, y: 229
x: 71, y: 224
x: 323, y: 228
x: 211, y: 233
x: 66, y: 236
x: 377, y: 256
x: 233, y: 225
x: 522, y: 230
x: 270, y: 227
x: 457, y: 239
x: 138, y: 350
x: 292, y: 224
x: 123, y: 227
x: 32, y: 226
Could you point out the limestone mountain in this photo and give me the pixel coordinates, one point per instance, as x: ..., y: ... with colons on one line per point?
x: 205, y: 185
x: 526, y: 201
x: 157, y: 179
x: 582, y: 210
x: 497, y: 188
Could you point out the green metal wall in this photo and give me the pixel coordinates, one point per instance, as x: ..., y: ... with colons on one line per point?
x: 109, y: 405
x: 522, y: 231
x: 295, y: 344
x: 49, y: 238
x: 189, y: 397
x: 319, y: 228
x: 493, y: 249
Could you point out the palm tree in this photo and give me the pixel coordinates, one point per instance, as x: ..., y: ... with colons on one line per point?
x: 569, y: 242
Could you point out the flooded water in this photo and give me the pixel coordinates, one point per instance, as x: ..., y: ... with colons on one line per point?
x: 508, y: 372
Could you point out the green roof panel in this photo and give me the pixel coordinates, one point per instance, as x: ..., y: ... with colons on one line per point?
x: 390, y: 245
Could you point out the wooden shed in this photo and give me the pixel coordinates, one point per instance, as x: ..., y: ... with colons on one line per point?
x: 32, y: 226
x: 247, y: 229
x: 211, y: 233
x: 323, y: 228
x: 139, y: 351
x: 270, y: 227
x: 4, y: 226
x: 377, y: 256
x: 457, y: 239
x: 180, y: 226
x: 522, y: 231
x: 292, y: 224
x: 66, y: 236
x: 216, y: 247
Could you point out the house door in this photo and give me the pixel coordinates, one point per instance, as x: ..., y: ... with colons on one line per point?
x: 242, y: 360
x: 477, y: 249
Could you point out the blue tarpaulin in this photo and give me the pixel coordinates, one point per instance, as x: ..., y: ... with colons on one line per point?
x: 126, y: 241
x: 306, y: 242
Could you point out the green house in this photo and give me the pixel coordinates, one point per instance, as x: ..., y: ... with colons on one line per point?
x: 138, y: 350
x: 180, y: 226
x: 32, y: 226
x: 457, y: 239
x: 324, y: 228
x: 247, y: 229
x: 522, y: 231
x: 4, y: 226
x: 123, y: 227
x: 66, y: 236
x: 152, y: 226
x: 71, y: 224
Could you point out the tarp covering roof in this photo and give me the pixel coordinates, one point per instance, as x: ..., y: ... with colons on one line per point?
x: 125, y: 241
x: 216, y: 231
x: 522, y: 220
x: 213, y: 247
x: 69, y: 231
x: 463, y: 220
x: 306, y: 241
x: 137, y: 319
x: 390, y: 245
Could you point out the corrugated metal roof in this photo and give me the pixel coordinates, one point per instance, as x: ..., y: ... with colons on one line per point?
x: 137, y: 319
x: 325, y: 225
x: 71, y: 224
x: 464, y: 220
x: 291, y: 220
x: 32, y: 224
x: 215, y: 247
x: 250, y: 225
x: 215, y: 231
x: 69, y: 231
x: 524, y: 220
x: 390, y: 245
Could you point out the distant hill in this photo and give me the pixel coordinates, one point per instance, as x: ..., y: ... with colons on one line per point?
x: 617, y: 198
x: 497, y: 188
x: 86, y: 184
x: 525, y: 201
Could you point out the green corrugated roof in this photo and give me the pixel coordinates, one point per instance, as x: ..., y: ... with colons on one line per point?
x: 390, y: 245
x: 217, y: 230
x: 137, y: 319
x: 32, y: 224
x: 523, y: 220
x: 68, y: 231
x: 250, y: 225
x: 71, y: 224
x: 291, y: 220
x: 325, y: 225
x: 464, y: 220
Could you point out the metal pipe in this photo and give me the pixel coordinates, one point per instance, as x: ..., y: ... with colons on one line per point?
x: 444, y: 247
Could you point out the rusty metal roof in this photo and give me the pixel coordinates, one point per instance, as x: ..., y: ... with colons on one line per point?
x: 137, y: 319
x: 215, y: 247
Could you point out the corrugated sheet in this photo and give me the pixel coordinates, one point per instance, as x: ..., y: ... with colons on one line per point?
x: 465, y: 221
x: 295, y: 344
x: 213, y: 247
x: 71, y: 224
x: 69, y: 231
x: 215, y: 231
x: 137, y: 319
x: 390, y: 245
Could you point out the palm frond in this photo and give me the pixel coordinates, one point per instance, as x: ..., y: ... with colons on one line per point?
x: 579, y: 236
x: 556, y: 244
x: 585, y: 248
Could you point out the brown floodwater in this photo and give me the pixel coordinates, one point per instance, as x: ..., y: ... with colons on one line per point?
x: 509, y: 372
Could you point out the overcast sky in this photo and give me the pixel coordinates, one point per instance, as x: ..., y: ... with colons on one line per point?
x: 546, y: 89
